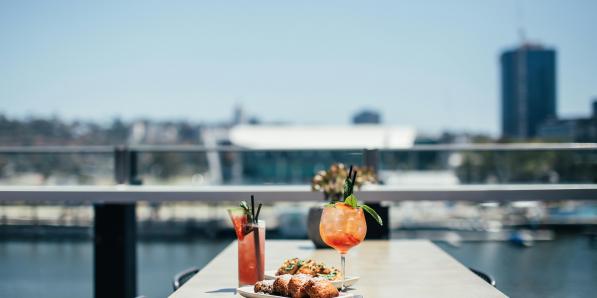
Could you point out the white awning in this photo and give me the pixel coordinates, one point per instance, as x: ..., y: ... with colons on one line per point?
x: 322, y: 137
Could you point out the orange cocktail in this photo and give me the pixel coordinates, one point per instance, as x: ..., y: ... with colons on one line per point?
x: 342, y: 227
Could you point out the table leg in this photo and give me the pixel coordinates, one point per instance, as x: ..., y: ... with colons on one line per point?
x: 115, y: 252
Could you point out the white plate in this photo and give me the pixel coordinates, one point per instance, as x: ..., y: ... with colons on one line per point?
x: 349, y: 282
x: 247, y: 291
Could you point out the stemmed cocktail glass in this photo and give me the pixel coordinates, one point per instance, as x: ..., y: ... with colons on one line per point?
x: 342, y: 225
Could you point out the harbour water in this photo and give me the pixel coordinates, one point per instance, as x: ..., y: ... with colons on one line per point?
x: 58, y: 269
x: 564, y: 267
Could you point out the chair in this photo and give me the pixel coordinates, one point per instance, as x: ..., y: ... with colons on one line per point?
x: 486, y: 277
x: 183, y: 276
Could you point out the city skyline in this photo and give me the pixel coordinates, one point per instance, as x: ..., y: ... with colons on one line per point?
x: 435, y: 67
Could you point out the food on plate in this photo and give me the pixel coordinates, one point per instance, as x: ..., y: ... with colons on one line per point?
x: 310, y: 267
x: 281, y: 284
x: 290, y: 266
x: 264, y: 286
x: 297, y: 286
x: 321, y: 288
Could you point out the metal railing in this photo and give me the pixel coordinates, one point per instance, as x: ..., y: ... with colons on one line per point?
x: 480, y: 163
x: 294, y: 193
x: 200, y: 148
x: 114, y: 206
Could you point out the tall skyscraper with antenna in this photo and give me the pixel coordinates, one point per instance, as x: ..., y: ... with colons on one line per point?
x: 528, y: 75
x: 528, y: 86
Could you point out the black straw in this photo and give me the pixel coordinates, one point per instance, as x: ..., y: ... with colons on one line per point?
x: 350, y: 171
x: 352, y: 181
x: 253, y: 208
x: 257, y: 214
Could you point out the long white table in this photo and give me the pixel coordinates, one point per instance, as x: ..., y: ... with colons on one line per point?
x: 395, y: 268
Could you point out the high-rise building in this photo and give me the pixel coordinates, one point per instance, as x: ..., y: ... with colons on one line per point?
x: 572, y: 129
x: 239, y: 115
x: 528, y: 90
x: 366, y: 117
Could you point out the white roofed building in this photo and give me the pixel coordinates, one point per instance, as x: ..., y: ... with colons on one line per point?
x: 294, y: 137
x: 294, y: 153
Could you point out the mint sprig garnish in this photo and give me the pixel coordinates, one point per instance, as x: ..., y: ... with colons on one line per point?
x: 373, y: 214
x: 352, y: 201
x: 350, y: 198
x: 247, y: 210
x: 347, y: 188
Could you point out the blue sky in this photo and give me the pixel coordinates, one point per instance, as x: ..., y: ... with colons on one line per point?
x: 429, y: 64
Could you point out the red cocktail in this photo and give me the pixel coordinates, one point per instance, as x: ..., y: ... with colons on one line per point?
x: 251, y: 247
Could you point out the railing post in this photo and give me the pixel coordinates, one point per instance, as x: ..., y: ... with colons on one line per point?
x: 115, y: 233
x: 374, y: 231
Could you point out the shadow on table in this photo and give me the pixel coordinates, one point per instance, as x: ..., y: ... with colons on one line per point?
x: 222, y: 290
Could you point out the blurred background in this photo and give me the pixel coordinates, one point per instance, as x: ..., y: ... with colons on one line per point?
x: 428, y: 93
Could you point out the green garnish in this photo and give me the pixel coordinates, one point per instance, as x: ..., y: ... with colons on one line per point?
x: 348, y: 185
x: 372, y: 212
x: 354, y: 203
x: 247, y: 210
x: 330, y: 276
x: 351, y: 201
x: 350, y: 198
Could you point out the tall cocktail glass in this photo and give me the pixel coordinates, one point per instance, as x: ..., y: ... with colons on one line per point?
x: 342, y: 227
x: 251, y: 247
